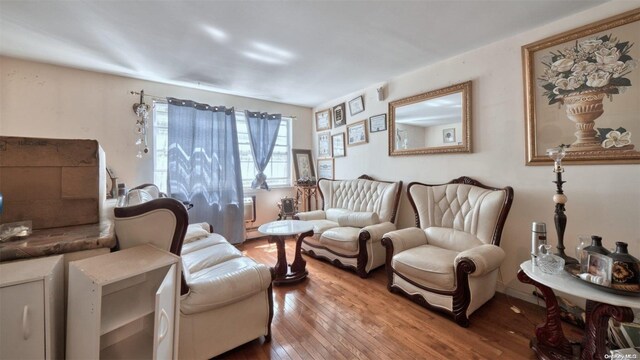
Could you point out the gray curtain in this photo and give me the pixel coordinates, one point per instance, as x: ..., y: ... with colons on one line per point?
x: 204, y: 165
x: 263, y: 133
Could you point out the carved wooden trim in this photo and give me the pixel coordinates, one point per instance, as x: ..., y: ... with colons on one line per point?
x: 363, y: 254
x: 598, y: 314
x: 334, y: 262
x: 182, y: 221
x: 388, y: 244
x: 504, y: 212
x: 418, y: 299
x: 267, y: 337
x: 366, y: 177
x: 462, y: 293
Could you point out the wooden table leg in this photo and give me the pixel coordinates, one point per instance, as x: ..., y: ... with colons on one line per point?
x: 299, y: 264
x: 281, y: 267
x: 598, y: 314
x: 550, y: 342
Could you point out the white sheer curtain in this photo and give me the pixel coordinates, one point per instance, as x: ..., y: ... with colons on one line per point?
x: 204, y: 165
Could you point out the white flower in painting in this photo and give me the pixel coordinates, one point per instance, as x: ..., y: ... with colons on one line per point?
x: 607, y: 56
x: 562, y: 65
x: 584, y: 68
x: 598, y: 79
x: 589, y: 45
x: 615, y: 139
x: 571, y: 83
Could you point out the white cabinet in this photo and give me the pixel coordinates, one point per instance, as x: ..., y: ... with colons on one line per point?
x: 124, y: 305
x: 31, y: 309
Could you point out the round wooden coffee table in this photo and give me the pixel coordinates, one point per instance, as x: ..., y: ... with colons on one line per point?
x: 278, y: 232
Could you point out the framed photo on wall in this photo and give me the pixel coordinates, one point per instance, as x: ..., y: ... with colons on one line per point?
x: 337, y: 142
x: 324, y: 145
x: 449, y: 135
x: 339, y: 117
x: 378, y: 123
x: 325, y: 169
x: 323, y: 120
x: 582, y: 88
x: 356, y: 105
x: 303, y: 164
x: 357, y: 133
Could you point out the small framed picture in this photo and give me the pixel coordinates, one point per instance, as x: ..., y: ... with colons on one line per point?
x: 325, y: 169
x: 324, y: 145
x: 339, y: 117
x: 378, y: 123
x: 288, y: 206
x: 357, y: 133
x: 337, y: 142
x: 356, y: 106
x: 449, y: 135
x: 600, y: 265
x: 323, y: 120
x: 302, y: 164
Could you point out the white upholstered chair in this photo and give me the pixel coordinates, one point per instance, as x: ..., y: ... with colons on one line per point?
x: 450, y: 261
x: 348, y: 231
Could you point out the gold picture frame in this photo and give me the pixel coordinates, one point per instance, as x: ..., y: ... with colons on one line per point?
x: 357, y: 133
x: 326, y: 169
x: 323, y: 120
x: 566, y: 79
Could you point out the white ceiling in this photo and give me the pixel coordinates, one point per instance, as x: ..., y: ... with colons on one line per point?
x: 296, y: 52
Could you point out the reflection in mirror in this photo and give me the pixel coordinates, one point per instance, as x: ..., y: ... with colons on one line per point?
x: 434, y: 122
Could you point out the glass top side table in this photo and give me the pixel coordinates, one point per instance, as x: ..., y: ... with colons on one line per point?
x: 279, y: 231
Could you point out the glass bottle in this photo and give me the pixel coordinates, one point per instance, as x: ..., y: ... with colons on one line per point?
x: 549, y: 263
x: 596, y: 246
x: 626, y: 268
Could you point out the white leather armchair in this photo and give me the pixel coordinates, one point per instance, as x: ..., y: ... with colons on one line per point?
x: 226, y: 298
x: 348, y: 231
x: 450, y: 261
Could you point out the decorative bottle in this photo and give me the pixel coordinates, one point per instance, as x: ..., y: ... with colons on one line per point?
x: 626, y: 268
x: 596, y: 246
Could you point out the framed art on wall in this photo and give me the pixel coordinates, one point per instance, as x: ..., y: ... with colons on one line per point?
x: 356, y: 106
x: 582, y: 89
x: 324, y: 145
x: 378, y: 123
x: 337, y: 142
x: 449, y: 135
x: 339, y: 117
x: 323, y: 120
x: 325, y: 168
x: 302, y: 164
x: 357, y: 133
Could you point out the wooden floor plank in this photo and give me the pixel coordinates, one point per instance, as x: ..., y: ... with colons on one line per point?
x: 334, y: 314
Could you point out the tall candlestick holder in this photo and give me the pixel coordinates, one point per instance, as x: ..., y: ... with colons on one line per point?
x: 560, y: 218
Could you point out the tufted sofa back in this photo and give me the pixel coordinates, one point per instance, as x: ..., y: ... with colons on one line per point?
x: 463, y: 205
x: 361, y: 195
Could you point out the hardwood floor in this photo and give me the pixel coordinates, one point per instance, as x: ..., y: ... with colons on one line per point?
x: 334, y: 314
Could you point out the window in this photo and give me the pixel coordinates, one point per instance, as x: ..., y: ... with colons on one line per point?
x: 278, y: 170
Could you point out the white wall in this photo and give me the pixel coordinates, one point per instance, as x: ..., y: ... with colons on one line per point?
x: 603, y: 199
x: 41, y: 100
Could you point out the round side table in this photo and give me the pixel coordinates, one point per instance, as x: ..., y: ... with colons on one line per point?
x: 278, y: 231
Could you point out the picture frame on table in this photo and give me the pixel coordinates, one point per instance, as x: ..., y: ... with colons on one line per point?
x: 600, y: 265
x: 357, y: 133
x: 449, y: 135
x: 324, y: 145
x: 288, y: 206
x: 590, y: 103
x: 303, y: 164
x: 323, y: 120
x: 339, y: 116
x: 337, y: 142
x: 356, y: 105
x: 378, y: 123
x: 326, y: 169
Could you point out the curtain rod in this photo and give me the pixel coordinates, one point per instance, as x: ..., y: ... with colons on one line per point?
x: 165, y: 98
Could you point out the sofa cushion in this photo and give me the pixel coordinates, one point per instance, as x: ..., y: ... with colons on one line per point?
x: 320, y: 226
x: 225, y: 283
x: 209, y: 240
x: 358, y: 219
x: 334, y: 214
x: 427, y: 265
x: 209, y: 256
x: 451, y: 239
x: 341, y: 239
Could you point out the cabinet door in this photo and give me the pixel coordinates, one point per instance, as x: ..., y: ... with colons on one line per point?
x: 22, y: 319
x: 164, y: 324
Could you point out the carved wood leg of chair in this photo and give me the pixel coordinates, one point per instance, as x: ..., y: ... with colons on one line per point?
x: 598, y: 314
x: 551, y: 342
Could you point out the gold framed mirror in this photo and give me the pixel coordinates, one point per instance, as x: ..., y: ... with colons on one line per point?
x: 435, y: 122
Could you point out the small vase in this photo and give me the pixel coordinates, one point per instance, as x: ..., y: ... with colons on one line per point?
x: 581, y: 254
x: 596, y: 246
x: 626, y: 268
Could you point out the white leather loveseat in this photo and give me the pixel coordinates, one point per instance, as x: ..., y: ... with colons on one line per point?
x: 226, y: 298
x: 348, y: 231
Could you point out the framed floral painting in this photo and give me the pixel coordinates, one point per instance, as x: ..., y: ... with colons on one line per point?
x: 582, y: 89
